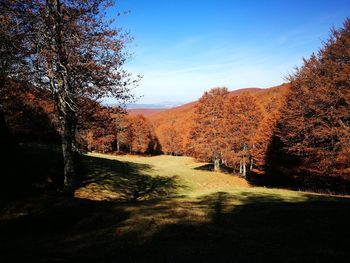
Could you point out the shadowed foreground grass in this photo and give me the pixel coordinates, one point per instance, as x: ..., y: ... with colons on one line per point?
x: 159, y: 209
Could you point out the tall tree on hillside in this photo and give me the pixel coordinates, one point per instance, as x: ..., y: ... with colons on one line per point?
x: 120, y: 124
x: 206, y: 140
x: 142, y: 135
x: 315, y: 122
x: 171, y: 140
x: 264, y: 138
x: 242, y: 117
x: 262, y: 141
x: 75, y: 53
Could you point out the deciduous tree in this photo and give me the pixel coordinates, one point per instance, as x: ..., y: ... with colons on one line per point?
x: 206, y: 140
x: 75, y: 53
x: 242, y: 117
x: 142, y: 136
x: 171, y: 140
x: 315, y: 122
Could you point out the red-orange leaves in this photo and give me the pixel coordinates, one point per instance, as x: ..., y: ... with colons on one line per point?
x: 142, y: 137
x: 242, y: 117
x: 172, y: 140
x: 315, y: 122
x: 207, y: 135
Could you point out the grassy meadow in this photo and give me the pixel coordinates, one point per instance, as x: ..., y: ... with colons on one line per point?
x: 165, y: 209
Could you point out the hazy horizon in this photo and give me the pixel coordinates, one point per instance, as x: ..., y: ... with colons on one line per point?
x: 163, y: 103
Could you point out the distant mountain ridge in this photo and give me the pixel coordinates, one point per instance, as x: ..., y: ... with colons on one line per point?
x: 262, y: 93
x: 160, y: 105
x: 157, y: 110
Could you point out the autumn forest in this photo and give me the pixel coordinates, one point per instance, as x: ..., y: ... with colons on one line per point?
x: 131, y: 178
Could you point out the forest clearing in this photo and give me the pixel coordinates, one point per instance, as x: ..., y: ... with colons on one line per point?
x: 174, y: 131
x: 168, y: 209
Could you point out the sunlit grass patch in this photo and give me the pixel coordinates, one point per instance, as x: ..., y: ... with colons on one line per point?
x: 140, y: 178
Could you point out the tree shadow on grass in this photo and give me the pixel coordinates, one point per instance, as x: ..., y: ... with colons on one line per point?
x: 251, y: 227
x: 33, y: 169
x: 210, y: 167
x: 263, y: 228
x: 52, y: 229
x: 124, y: 180
x: 205, y: 167
x: 26, y: 170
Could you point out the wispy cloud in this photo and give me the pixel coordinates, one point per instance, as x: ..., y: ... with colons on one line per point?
x: 187, y: 42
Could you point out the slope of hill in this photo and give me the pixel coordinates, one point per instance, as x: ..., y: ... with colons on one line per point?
x: 240, y: 91
x: 144, y: 112
x: 173, y: 115
x: 181, y: 117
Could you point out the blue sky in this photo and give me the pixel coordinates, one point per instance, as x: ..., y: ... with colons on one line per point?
x: 186, y: 47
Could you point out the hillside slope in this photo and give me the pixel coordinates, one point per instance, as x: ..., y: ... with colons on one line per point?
x: 181, y: 117
x: 144, y: 112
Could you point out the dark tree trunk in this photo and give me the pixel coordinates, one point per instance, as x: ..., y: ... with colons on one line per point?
x: 69, y: 181
x: 5, y: 139
x: 118, y: 143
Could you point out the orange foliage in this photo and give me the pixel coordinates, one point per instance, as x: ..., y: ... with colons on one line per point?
x: 144, y: 112
x: 29, y: 112
x: 181, y: 119
x: 207, y: 137
x: 115, y: 131
x: 314, y: 128
x: 242, y: 117
x: 171, y: 140
x: 142, y: 136
x: 274, y: 100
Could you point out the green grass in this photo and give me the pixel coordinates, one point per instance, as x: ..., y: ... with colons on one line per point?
x: 170, y: 209
x: 110, y: 177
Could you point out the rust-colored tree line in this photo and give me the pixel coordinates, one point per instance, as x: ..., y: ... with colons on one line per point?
x: 303, y: 137
x: 313, y: 131
x: 30, y: 115
x: 225, y: 130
